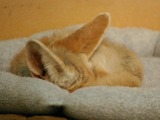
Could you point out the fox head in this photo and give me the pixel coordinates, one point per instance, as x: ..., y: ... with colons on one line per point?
x: 66, y: 62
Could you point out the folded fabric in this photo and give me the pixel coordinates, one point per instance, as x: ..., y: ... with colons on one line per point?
x: 29, y: 95
x: 113, y: 103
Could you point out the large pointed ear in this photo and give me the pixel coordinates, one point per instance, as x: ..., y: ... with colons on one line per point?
x: 87, y: 38
x: 38, y: 56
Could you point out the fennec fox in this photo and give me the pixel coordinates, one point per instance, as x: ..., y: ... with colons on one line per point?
x: 79, y: 59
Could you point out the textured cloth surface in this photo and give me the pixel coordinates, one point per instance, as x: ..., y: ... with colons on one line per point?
x: 114, y: 103
x: 29, y: 95
x: 35, y: 96
x: 142, y: 41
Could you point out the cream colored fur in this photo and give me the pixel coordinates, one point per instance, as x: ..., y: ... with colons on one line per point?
x: 74, y: 59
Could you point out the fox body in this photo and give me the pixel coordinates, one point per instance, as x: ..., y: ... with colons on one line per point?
x: 80, y: 58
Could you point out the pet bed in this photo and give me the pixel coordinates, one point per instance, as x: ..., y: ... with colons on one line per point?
x: 32, y: 96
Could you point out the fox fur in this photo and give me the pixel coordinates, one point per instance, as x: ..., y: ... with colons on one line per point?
x: 80, y: 58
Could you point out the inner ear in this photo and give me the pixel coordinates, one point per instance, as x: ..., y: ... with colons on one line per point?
x: 87, y: 38
x: 34, y: 59
x: 40, y: 58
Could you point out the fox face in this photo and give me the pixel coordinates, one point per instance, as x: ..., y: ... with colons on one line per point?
x: 59, y: 65
x: 80, y: 59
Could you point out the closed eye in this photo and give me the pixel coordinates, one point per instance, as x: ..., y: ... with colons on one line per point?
x: 44, y: 71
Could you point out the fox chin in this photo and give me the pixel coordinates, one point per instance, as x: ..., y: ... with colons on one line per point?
x: 80, y: 58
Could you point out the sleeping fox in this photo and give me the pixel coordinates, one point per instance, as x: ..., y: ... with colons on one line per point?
x: 80, y: 58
